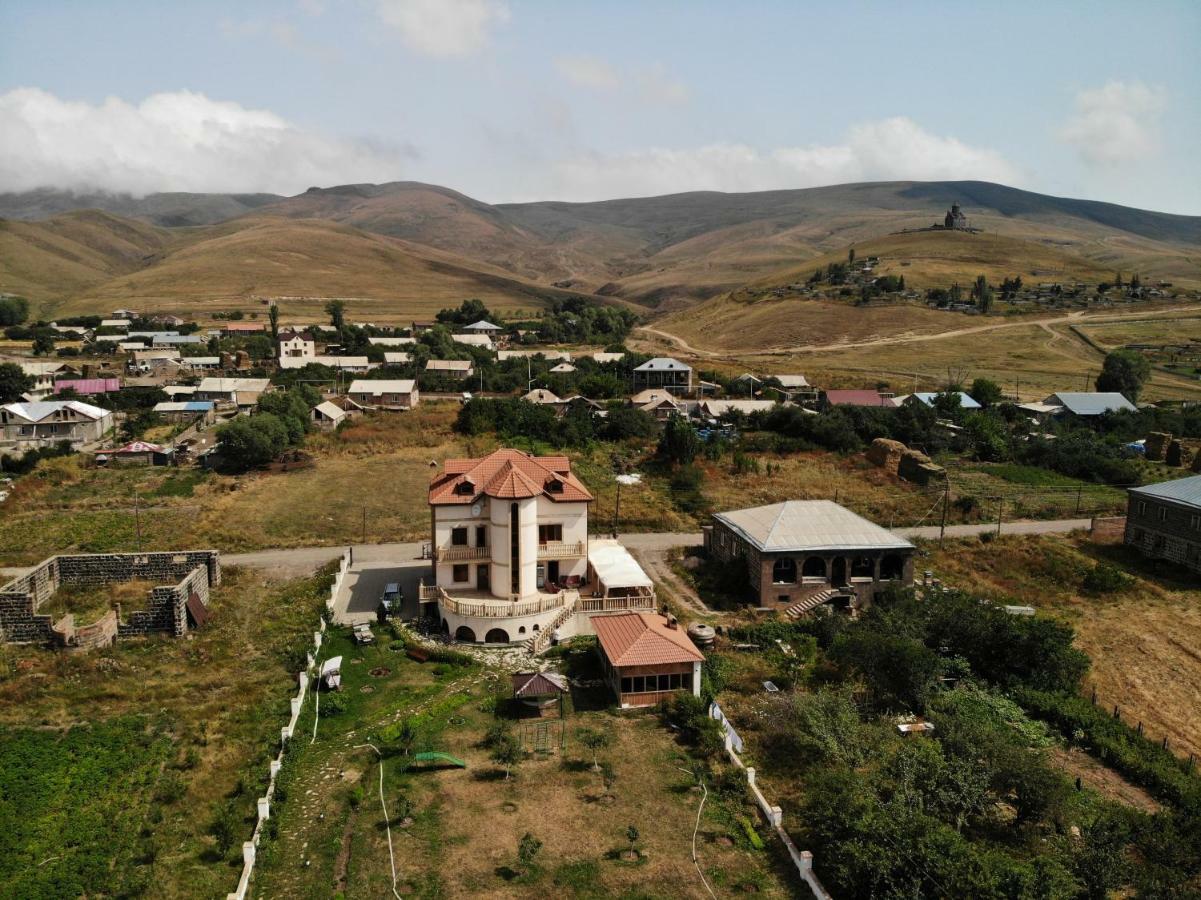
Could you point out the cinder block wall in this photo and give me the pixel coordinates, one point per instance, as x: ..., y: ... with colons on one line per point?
x: 184, y: 572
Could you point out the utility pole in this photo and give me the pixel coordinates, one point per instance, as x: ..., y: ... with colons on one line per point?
x: 137, y: 520
x: 1079, y: 494
x: 942, y: 526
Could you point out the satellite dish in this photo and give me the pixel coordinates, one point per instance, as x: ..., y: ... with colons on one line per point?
x: 477, y: 508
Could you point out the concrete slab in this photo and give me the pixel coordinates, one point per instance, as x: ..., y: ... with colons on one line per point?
x: 366, y: 578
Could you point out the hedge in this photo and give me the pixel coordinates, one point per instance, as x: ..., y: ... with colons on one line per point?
x: 1115, y: 743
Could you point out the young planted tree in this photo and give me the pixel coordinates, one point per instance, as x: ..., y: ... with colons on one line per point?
x: 273, y: 320
x: 632, y: 837
x: 506, y: 753
x: 595, y: 740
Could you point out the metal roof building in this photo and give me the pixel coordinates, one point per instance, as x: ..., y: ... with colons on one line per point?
x: 1186, y: 491
x: 1090, y: 403
x: 806, y: 525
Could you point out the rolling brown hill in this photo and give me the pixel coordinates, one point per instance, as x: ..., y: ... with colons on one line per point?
x: 415, y: 244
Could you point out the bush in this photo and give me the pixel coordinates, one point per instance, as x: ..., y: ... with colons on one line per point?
x: 1105, y: 578
x: 1115, y: 743
x: 333, y: 704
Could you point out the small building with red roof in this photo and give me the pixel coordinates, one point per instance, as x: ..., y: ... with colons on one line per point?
x: 855, y: 398
x: 647, y: 657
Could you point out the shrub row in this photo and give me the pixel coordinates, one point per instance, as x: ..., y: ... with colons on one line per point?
x: 1115, y: 743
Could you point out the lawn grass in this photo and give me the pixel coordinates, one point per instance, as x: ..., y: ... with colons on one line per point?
x: 467, y: 822
x: 152, y: 737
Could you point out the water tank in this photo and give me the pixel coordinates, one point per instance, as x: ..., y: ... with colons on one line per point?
x: 702, y: 635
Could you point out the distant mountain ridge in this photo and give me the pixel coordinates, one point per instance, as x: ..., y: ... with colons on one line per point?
x: 670, y: 251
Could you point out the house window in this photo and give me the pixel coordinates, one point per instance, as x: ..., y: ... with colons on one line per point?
x: 481, y: 536
x: 550, y: 534
x: 458, y: 537
x: 783, y: 571
x: 1163, y: 513
x: 465, y: 488
x: 1194, y: 522
x: 627, y: 685
x: 459, y: 573
x: 1142, y: 508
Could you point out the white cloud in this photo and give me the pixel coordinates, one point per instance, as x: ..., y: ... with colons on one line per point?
x: 1116, y: 123
x: 180, y: 141
x: 655, y: 85
x: 444, y: 28
x: 891, y: 149
x: 588, y: 71
x: 650, y: 84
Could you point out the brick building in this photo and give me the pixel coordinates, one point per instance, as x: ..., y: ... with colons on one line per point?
x: 810, y: 552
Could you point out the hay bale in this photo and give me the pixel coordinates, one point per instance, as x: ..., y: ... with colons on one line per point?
x: 887, y: 454
x: 1177, y: 455
x: 917, y: 467
x: 1156, y: 444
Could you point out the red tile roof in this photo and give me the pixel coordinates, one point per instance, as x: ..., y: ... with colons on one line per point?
x: 507, y: 474
x: 643, y: 639
x: 538, y: 684
x: 854, y: 398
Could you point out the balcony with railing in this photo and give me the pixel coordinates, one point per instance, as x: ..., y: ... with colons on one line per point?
x: 637, y: 598
x: 463, y: 553
x: 470, y: 602
x: 561, y: 550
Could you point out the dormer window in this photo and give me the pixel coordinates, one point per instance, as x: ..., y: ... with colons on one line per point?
x: 554, y: 487
x: 464, y: 488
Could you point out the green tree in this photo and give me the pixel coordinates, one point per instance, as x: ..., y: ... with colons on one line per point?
x: 986, y: 392
x: 594, y: 740
x: 1124, y: 371
x: 679, y: 443
x: 43, y: 343
x: 273, y: 320
x: 336, y: 310
x: 252, y: 441
x: 13, y: 310
x: 225, y: 828
x: 851, y: 257
x: 632, y: 836
x: 982, y: 293
x: 13, y: 382
x: 987, y: 437
x: 506, y: 753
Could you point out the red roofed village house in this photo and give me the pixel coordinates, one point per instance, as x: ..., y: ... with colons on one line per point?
x: 512, y: 556
x: 647, y: 657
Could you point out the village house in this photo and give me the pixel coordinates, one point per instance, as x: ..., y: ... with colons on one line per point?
x: 341, y: 363
x: 137, y: 453
x: 151, y: 360
x: 602, y: 357
x: 328, y: 415
x: 647, y: 658
x: 715, y: 409
x: 296, y: 345
x: 548, y: 355
x: 44, y: 374
x: 473, y: 340
x: 88, y: 387
x: 386, y: 394
x: 663, y: 372
x: 542, y: 396
x: 512, y: 559
x: 397, y: 358
x: 1163, y: 521
x: 801, y: 553
x: 450, y: 368
x: 116, y: 324
x: 186, y: 411
x: 45, y: 422
x: 483, y: 326
x: 125, y: 314
x: 927, y: 398
x: 391, y: 341
x: 235, y: 328
x: 658, y: 403
x: 1089, y: 404
x: 239, y: 391
x: 201, y: 363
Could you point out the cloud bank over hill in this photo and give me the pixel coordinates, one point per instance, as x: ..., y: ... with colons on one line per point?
x: 891, y: 149
x: 175, y: 141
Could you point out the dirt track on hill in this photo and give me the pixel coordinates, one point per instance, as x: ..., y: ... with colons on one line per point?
x: 1070, y: 318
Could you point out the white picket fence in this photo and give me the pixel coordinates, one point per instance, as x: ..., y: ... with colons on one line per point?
x: 250, y: 847
x: 802, y: 859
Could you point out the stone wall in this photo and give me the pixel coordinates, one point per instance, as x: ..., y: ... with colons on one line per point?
x: 897, y: 459
x: 186, y: 572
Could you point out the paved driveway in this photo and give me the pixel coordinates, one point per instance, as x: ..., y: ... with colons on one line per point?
x: 374, y: 568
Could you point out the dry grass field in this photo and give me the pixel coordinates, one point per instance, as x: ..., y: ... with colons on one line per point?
x: 1143, y: 640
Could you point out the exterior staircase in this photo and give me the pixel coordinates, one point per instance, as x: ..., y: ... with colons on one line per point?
x: 541, y: 640
x: 810, y: 603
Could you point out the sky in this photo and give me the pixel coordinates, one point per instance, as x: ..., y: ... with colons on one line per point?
x: 508, y: 100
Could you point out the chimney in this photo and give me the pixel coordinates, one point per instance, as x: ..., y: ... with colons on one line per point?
x: 671, y: 622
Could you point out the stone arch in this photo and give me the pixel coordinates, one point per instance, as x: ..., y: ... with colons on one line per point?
x: 783, y: 571
x: 892, y: 566
x: 521, y: 630
x: 862, y: 567
x: 463, y: 633
x: 496, y: 636
x: 814, y: 567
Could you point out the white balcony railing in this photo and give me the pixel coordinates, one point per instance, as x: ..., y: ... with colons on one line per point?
x: 461, y: 553
x: 561, y: 550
